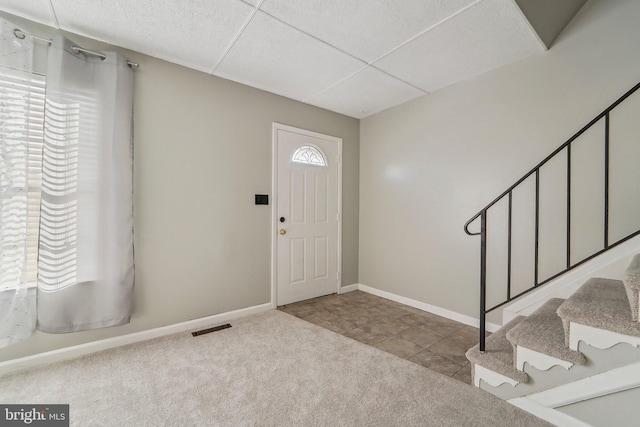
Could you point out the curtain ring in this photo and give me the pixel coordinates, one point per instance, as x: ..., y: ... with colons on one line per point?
x: 19, y: 34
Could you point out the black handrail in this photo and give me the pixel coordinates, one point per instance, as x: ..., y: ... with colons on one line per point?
x: 482, y: 214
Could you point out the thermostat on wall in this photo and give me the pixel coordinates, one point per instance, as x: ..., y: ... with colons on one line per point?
x: 262, y: 199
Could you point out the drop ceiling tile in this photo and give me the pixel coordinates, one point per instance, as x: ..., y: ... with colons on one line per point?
x: 365, y: 29
x: 365, y: 93
x: 35, y: 10
x: 271, y: 55
x: 488, y: 35
x: 193, y: 33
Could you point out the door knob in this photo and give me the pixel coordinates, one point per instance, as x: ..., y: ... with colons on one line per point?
x: 283, y: 231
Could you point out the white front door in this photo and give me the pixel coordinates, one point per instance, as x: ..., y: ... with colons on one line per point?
x: 306, y: 214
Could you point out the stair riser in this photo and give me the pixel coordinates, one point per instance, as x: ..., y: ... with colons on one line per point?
x: 598, y: 361
x: 598, y: 338
x: 490, y: 377
x: 540, y: 361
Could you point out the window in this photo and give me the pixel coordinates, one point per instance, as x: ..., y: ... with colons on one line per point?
x: 21, y: 119
x: 309, y: 155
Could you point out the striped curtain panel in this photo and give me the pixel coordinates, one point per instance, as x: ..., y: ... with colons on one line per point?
x: 21, y: 113
x: 85, y: 263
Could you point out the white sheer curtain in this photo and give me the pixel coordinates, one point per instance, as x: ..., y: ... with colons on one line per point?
x: 21, y: 109
x: 85, y: 266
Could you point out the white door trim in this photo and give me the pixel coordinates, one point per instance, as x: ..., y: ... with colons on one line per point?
x: 274, y: 203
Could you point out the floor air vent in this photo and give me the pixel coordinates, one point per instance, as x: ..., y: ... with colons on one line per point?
x: 209, y: 330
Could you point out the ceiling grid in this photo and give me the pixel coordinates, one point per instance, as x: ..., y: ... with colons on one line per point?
x: 355, y: 57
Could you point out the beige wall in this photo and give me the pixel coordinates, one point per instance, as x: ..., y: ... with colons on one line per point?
x: 549, y: 17
x: 429, y: 165
x: 202, y: 150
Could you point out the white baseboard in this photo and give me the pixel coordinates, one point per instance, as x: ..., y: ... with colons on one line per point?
x: 95, y: 346
x: 348, y: 288
x: 449, y: 314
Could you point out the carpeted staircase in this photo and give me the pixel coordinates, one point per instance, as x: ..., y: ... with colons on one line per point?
x: 600, y: 315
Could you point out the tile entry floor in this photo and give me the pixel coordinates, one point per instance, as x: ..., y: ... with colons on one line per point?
x: 432, y: 341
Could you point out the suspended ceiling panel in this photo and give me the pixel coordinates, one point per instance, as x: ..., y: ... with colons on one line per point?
x: 367, y: 29
x: 366, y: 92
x: 276, y: 57
x: 486, y: 36
x: 193, y: 33
x: 36, y: 10
x: 327, y: 53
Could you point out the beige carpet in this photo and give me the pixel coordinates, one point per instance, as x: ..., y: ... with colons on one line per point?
x: 270, y: 369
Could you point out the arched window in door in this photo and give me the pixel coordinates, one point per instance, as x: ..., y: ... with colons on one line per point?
x: 309, y: 155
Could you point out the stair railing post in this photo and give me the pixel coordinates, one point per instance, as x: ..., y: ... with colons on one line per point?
x: 606, y: 181
x: 482, y: 214
x: 483, y: 276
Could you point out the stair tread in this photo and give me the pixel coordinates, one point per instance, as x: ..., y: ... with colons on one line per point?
x: 498, y: 355
x: 603, y: 304
x: 543, y: 332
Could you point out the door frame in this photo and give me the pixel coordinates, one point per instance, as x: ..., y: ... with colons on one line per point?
x: 274, y: 203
